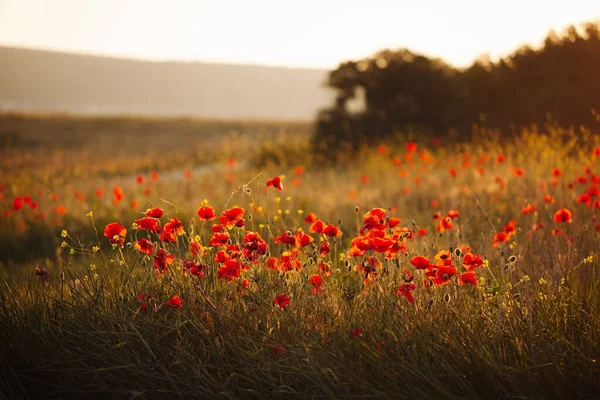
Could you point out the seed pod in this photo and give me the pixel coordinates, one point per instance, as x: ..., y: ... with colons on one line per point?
x: 512, y: 259
x: 447, y: 298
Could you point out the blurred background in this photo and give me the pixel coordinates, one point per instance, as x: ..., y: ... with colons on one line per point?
x: 435, y: 65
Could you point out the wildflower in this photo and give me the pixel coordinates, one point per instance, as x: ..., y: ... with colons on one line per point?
x: 444, y: 274
x: 194, y: 268
x: 162, y: 260
x: 175, y: 302
x: 196, y: 248
x: 276, y: 182
x: 324, y: 249
x: 332, y: 231
x: 420, y: 262
x: 405, y: 290
x: 563, y: 215
x: 282, y: 301
x: 316, y: 281
x: 471, y: 261
x: 115, y: 232
x: 118, y: 195
x: 411, y: 147
x: 154, y: 212
x: 17, y: 203
x: 206, y: 213
x: 356, y: 332
x: 302, y: 239
x: 317, y: 226
x: 229, y: 270
x: 453, y: 214
x: 467, y: 277
x: 528, y: 209
x: 64, y: 233
x: 150, y: 224
x: 233, y: 217
x: 144, y: 246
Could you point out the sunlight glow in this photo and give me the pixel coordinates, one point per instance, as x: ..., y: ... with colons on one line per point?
x: 317, y: 34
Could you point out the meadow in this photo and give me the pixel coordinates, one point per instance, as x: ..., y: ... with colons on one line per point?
x: 145, y: 258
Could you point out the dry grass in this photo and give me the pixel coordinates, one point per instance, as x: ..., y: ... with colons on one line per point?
x: 529, y: 329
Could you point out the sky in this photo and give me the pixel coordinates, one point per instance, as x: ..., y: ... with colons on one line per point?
x: 301, y: 33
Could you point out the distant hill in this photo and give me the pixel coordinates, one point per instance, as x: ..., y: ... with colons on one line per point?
x: 35, y: 80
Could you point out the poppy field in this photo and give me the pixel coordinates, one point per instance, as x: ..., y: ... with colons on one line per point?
x: 188, y: 259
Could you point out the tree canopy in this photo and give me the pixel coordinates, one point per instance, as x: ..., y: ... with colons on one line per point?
x: 401, y: 90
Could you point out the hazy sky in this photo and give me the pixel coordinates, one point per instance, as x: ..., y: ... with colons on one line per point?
x: 303, y: 33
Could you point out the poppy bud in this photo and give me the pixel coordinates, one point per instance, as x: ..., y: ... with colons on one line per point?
x: 512, y: 259
x: 447, y: 297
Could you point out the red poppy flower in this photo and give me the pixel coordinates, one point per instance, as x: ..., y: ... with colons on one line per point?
x: 144, y: 246
x: 500, y: 237
x: 452, y: 214
x: 149, y: 224
x: 289, y: 262
x: 254, y: 245
x: 500, y: 159
x: 356, y: 332
x: 134, y: 204
x: 282, y: 301
x: 154, y: 212
x: 421, y: 232
x: 443, y: 258
x: 194, y: 268
x: 420, y: 262
x: 393, y: 222
x: 276, y: 182
x: 467, y: 277
x: 325, y: 269
x: 99, y: 193
x: 563, y: 215
x: 444, y: 275
x: 411, y: 147
x: 528, y: 209
x: 332, y: 231
x: 174, y: 226
x: 310, y: 218
x: 17, y: 203
x: 317, y: 226
x: 233, y: 217
x: 302, y: 239
x: 196, y: 249
x: 206, y: 213
x: 118, y: 194
x: 444, y: 224
x: 162, y: 260
x: 324, y: 249
x: 175, y: 302
x: 471, y: 261
x: 405, y: 290
x: 518, y: 171
x: 140, y: 179
x: 115, y: 232
x: 286, y: 238
x: 272, y: 263
x: 219, y: 239
x: 230, y: 270
x: 548, y: 199
x: 316, y: 281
